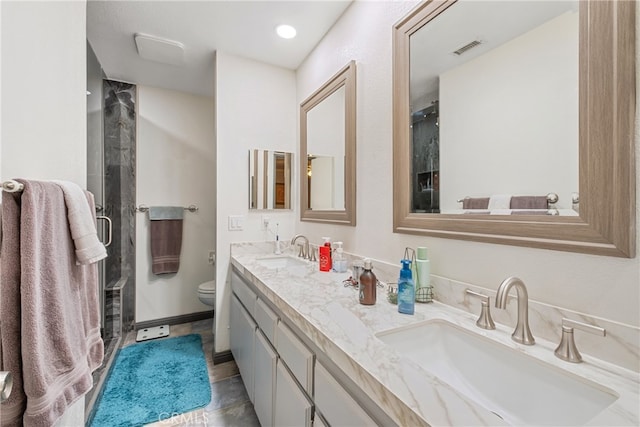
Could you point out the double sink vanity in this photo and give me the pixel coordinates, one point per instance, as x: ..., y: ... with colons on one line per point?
x: 331, y: 361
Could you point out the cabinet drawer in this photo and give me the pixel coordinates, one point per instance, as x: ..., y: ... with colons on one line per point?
x: 267, y: 320
x: 335, y: 403
x: 246, y: 295
x: 296, y: 355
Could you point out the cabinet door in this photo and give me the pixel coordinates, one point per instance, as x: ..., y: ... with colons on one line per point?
x: 264, y: 379
x: 296, y: 355
x: 292, y: 407
x: 335, y: 403
x: 242, y: 338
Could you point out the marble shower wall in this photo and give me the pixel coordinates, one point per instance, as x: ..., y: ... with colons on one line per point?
x: 120, y: 199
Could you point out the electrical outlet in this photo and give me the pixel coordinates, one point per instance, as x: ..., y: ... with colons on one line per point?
x: 211, y: 258
x: 265, y: 222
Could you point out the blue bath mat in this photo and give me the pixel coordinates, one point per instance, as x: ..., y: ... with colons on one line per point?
x: 154, y: 380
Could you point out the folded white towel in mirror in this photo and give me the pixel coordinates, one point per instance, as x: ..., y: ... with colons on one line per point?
x: 499, y: 201
x: 501, y: 211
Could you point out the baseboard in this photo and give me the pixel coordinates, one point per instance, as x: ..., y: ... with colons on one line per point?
x: 176, y: 320
x: 222, y: 357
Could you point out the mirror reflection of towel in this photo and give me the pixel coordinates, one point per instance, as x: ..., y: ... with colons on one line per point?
x: 500, y: 201
x: 475, y: 203
x: 529, y: 202
x: 166, y: 238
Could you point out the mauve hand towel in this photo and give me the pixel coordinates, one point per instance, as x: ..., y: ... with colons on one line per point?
x: 166, y: 238
x: 51, y: 306
x: 529, y: 202
x: 89, y: 248
x: 475, y: 203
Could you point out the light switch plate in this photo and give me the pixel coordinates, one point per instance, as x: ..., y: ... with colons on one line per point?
x: 236, y: 222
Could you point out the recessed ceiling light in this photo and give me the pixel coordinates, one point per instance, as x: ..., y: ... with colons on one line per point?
x: 286, y: 31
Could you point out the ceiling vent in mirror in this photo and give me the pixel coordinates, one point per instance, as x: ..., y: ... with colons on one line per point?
x: 467, y: 47
x: 159, y: 50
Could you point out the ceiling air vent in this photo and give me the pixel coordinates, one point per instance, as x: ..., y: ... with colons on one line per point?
x: 467, y: 47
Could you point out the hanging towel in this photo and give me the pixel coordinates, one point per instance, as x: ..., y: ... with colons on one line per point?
x: 499, y: 201
x: 48, y: 308
x: 88, y: 247
x: 166, y: 238
x: 475, y: 203
x: 529, y: 202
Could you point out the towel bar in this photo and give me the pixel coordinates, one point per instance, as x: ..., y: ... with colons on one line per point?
x: 12, y: 186
x: 190, y: 208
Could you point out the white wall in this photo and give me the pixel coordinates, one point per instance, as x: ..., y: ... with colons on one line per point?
x: 600, y: 286
x: 176, y: 161
x: 255, y: 108
x: 519, y: 106
x: 43, y: 100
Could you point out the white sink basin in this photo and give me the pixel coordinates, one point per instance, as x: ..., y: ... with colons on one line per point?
x: 516, y: 387
x: 281, y: 261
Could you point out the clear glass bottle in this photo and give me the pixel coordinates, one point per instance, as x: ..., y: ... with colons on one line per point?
x: 339, y: 261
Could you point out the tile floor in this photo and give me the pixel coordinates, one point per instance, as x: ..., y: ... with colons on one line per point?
x: 230, y: 405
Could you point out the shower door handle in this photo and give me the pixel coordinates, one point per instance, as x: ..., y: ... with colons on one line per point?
x: 109, y: 229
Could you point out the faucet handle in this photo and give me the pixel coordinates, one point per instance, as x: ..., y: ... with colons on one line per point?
x: 301, y: 253
x: 567, y: 349
x: 312, y: 254
x: 484, y: 321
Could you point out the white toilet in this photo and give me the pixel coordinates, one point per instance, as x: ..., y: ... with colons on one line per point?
x: 207, y: 293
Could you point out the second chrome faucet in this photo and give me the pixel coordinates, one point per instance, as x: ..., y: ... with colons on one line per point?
x: 522, y: 333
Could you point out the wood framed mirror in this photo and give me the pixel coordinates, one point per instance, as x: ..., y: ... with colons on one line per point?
x: 328, y: 151
x: 605, y: 164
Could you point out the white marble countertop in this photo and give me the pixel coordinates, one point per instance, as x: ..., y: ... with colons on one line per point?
x: 329, y: 314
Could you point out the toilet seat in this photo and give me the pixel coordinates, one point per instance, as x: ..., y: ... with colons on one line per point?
x: 207, y: 287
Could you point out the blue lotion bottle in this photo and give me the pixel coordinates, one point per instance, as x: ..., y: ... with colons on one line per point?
x: 406, y: 289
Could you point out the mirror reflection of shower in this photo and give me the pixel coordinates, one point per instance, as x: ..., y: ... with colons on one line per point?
x: 426, y: 158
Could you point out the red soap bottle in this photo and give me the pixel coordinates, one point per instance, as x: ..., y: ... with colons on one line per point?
x: 325, y: 255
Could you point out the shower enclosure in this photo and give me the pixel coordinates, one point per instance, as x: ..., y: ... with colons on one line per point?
x: 111, y: 178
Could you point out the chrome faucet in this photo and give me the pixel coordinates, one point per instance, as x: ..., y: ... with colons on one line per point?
x: 304, y: 250
x: 521, y: 333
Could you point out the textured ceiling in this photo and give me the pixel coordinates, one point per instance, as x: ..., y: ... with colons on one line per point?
x: 243, y: 28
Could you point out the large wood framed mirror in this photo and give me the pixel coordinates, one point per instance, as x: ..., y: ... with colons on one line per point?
x: 328, y: 151
x: 539, y: 98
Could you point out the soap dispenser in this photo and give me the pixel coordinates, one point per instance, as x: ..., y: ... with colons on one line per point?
x: 339, y: 260
x: 406, y: 289
x: 325, y: 255
x: 367, y: 284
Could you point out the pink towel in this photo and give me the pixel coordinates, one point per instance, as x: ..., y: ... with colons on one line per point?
x: 48, y: 308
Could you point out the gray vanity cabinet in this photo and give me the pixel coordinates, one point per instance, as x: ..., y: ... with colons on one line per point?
x: 285, y: 382
x: 242, y: 342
